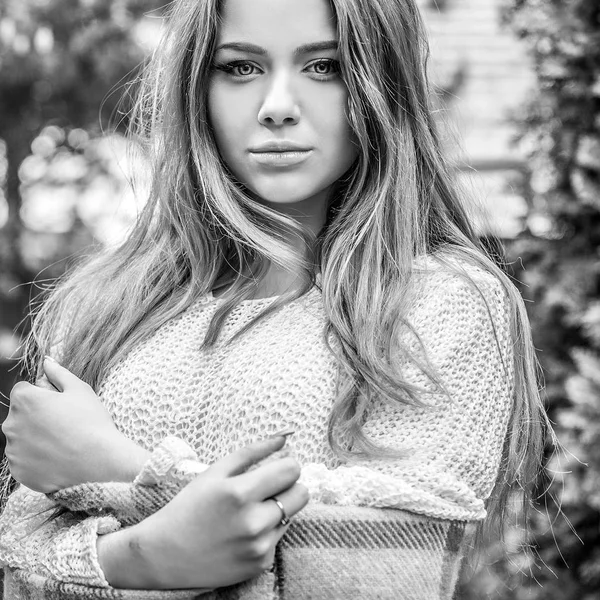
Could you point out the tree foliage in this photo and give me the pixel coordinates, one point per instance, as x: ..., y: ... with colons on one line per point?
x: 557, y: 261
x: 62, y: 64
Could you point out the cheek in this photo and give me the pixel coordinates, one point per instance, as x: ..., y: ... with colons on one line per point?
x: 227, y: 117
x: 336, y: 133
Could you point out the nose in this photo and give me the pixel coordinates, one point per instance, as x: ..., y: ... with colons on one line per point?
x: 279, y: 106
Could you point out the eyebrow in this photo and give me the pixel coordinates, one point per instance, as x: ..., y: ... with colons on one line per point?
x: 305, y: 49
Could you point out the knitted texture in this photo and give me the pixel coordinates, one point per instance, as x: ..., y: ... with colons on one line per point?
x: 281, y: 375
x: 328, y: 553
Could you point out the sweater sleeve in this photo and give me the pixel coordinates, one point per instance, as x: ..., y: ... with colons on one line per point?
x: 35, y: 538
x: 55, y: 535
x: 450, y: 449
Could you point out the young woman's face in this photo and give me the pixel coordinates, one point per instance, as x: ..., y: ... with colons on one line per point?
x: 277, y: 103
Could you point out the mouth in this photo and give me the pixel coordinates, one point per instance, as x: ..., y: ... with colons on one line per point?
x: 280, y: 158
x: 279, y: 146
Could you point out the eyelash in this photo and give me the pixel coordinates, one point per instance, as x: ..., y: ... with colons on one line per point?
x: 230, y: 66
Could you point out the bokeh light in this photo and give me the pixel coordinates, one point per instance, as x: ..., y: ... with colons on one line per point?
x: 47, y: 208
x: 3, y: 209
x: 70, y: 176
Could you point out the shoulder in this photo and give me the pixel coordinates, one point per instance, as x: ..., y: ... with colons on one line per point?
x: 457, y: 304
x: 458, y: 286
x: 460, y: 325
x: 448, y: 274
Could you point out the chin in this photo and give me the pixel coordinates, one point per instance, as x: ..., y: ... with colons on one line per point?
x: 285, y: 194
x: 284, y: 198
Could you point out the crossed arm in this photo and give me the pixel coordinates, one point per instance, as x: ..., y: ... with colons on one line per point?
x: 453, y: 454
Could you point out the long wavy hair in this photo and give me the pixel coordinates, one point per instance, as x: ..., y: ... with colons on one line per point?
x: 201, y: 230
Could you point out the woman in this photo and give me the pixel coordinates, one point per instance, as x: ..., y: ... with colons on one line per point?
x: 304, y: 262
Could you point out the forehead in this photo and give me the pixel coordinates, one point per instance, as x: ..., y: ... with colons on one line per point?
x: 276, y: 23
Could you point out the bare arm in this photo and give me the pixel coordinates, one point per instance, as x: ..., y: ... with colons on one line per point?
x: 218, y: 530
x: 60, y: 434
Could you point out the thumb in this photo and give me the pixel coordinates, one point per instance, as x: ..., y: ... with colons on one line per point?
x: 239, y: 461
x: 60, y: 377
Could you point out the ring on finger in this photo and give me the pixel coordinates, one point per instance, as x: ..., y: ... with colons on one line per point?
x: 285, y: 520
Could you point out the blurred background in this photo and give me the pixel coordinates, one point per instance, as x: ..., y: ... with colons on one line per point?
x: 518, y: 86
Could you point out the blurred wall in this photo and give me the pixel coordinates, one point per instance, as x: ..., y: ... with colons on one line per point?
x: 485, y: 74
x: 485, y: 71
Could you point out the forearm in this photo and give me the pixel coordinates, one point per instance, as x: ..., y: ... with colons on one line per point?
x: 64, y: 548
x: 126, y: 462
x: 123, y: 562
x: 122, y: 555
x: 142, y: 557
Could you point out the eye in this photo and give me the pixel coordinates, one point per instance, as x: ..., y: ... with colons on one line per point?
x: 238, y: 68
x: 325, y: 67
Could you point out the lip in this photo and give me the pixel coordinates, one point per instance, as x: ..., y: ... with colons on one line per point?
x: 285, y: 158
x: 279, y: 146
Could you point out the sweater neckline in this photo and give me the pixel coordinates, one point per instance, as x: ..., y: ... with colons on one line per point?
x: 268, y: 299
x: 247, y: 301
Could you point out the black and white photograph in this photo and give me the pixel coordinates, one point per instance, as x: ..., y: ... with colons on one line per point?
x: 300, y: 300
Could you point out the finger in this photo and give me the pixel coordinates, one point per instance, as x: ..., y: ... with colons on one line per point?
x: 293, y: 501
x: 60, y: 377
x: 22, y: 391
x: 272, y: 538
x: 44, y: 383
x: 240, y: 460
x: 24, y: 394
x: 269, y: 479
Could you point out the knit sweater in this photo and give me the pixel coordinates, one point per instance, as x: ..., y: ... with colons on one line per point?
x: 192, y: 407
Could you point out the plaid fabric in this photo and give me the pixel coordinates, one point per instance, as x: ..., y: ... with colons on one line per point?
x: 328, y: 553
x: 336, y: 552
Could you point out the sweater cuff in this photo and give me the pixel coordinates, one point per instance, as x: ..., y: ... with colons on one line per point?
x: 173, y: 461
x: 72, y: 555
x: 429, y: 493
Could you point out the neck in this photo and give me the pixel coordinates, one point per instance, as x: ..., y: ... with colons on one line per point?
x: 311, y: 214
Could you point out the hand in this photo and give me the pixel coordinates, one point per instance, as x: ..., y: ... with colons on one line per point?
x: 221, y: 529
x: 64, y: 436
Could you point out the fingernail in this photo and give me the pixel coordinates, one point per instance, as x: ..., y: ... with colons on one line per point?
x: 47, y: 357
x: 285, y: 433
